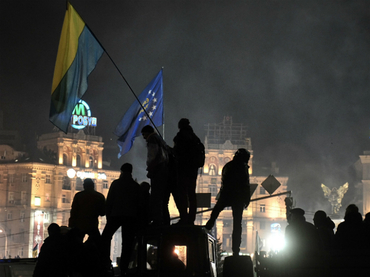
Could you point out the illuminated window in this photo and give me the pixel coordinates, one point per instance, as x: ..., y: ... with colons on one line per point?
x: 181, y: 252
x: 105, y: 184
x: 174, y: 257
x: 212, y: 169
x: 262, y: 208
x: 37, y: 200
x: 78, y: 161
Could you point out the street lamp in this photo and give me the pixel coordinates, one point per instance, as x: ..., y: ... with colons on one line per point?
x: 6, y: 240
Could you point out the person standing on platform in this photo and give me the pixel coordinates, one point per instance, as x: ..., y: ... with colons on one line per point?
x: 157, y: 168
x: 185, y: 149
x: 87, y: 206
x: 234, y: 192
x: 122, y: 208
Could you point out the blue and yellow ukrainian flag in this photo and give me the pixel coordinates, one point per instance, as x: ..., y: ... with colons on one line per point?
x: 35, y: 251
x: 78, y: 54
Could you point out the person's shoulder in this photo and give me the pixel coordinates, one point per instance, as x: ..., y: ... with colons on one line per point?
x: 98, y: 194
x: 153, y: 138
x: 310, y: 225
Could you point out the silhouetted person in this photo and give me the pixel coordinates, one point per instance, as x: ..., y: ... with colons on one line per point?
x: 87, y: 206
x: 144, y: 204
x: 350, y: 234
x: 234, y: 192
x: 122, y: 211
x: 52, y: 260
x: 367, y: 229
x: 301, y: 237
x: 157, y: 168
x: 187, y: 171
x: 325, y: 229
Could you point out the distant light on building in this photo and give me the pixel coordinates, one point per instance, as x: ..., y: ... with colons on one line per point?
x: 81, y: 116
x: 37, y: 201
x: 71, y: 173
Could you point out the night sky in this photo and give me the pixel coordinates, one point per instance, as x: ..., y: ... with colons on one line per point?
x: 295, y: 72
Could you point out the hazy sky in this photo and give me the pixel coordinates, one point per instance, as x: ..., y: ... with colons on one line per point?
x: 295, y: 72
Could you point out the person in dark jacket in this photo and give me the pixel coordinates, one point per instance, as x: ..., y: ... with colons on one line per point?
x: 350, y: 234
x: 325, y: 229
x: 187, y: 171
x: 87, y: 206
x: 122, y: 208
x: 52, y: 260
x: 301, y: 237
x: 157, y: 168
x: 234, y: 192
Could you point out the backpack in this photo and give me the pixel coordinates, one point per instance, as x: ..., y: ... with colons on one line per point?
x: 199, y: 153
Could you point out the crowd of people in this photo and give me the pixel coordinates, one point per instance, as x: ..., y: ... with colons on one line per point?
x: 173, y: 170
x: 352, y: 235
x: 129, y: 205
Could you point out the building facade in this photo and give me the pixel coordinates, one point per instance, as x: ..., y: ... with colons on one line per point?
x: 365, y: 180
x: 38, y: 190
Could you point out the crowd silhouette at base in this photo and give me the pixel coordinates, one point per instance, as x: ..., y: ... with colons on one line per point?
x: 132, y: 206
x: 319, y: 249
x: 352, y: 235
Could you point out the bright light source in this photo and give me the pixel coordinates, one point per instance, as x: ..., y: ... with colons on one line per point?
x: 71, y: 173
x: 37, y: 201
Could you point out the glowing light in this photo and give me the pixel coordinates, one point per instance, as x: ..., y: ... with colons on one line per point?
x: 37, y: 201
x: 71, y: 173
x: 81, y: 116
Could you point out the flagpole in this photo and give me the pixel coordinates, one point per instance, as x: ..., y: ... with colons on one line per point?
x: 123, y: 77
x: 163, y: 110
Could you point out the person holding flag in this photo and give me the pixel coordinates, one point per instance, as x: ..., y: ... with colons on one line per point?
x: 157, y: 168
x: 148, y: 108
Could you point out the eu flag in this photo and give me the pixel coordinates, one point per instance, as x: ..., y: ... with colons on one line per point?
x: 136, y: 118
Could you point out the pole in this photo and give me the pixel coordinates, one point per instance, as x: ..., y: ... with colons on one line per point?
x: 252, y: 200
